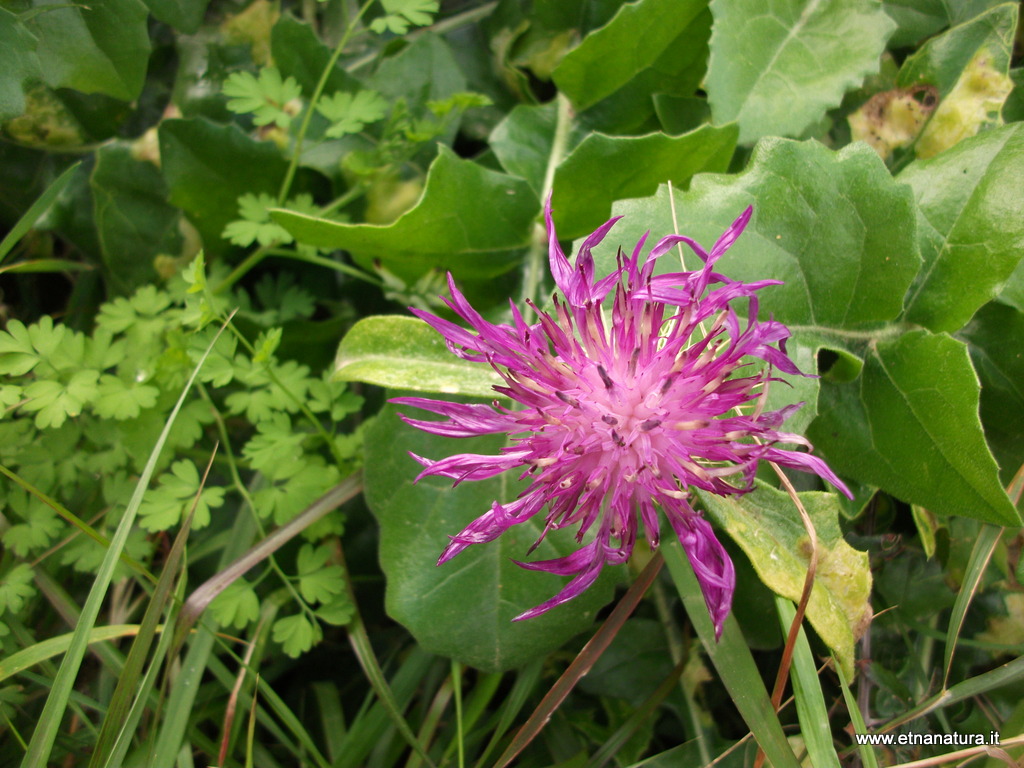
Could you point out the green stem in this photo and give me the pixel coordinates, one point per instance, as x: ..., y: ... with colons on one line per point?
x: 236, y: 479
x: 242, y: 269
x: 534, y: 265
x: 289, y: 177
x: 303, y: 408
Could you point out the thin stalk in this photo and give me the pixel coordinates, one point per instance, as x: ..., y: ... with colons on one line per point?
x: 538, y: 246
x: 583, y: 662
x: 289, y: 177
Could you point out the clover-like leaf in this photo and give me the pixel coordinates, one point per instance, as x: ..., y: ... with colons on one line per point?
x: 268, y: 97
x: 350, y: 113
x: 164, y: 506
x: 16, y: 587
x: 237, y: 606
x: 318, y: 581
x: 296, y: 634
x: 401, y: 14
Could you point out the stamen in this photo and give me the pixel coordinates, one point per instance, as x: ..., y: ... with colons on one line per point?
x: 650, y: 424
x: 566, y: 399
x: 608, y: 383
x: 611, y: 421
x: 618, y: 439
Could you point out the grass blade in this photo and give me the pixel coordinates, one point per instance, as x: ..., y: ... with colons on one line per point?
x: 867, y: 754
x: 981, y: 554
x: 733, y: 661
x: 38, y: 208
x: 810, y: 701
x: 41, y: 743
x: 115, y: 723
x: 55, y: 646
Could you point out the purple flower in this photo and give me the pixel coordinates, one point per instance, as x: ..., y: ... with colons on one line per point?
x: 634, y: 389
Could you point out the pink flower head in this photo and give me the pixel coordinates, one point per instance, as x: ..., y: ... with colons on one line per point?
x: 635, y: 388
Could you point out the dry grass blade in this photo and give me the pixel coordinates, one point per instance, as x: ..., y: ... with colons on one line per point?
x: 208, y: 590
x: 965, y: 754
x: 583, y: 662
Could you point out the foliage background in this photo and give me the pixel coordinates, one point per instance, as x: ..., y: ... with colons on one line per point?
x: 217, y: 214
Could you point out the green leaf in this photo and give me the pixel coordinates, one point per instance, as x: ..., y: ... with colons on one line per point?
x: 971, y: 226
x: 910, y: 426
x: 298, y: 53
x: 522, y: 142
x: 266, y: 97
x: 942, y: 60
x: 423, y: 71
x: 768, y: 529
x: 401, y: 14
x: 635, y: 40
x: 184, y: 15
x: 115, y: 399
x: 464, y: 608
x: 21, y: 348
x: 406, y: 353
x: 631, y: 167
x: 99, y: 48
x: 21, y: 64
x: 350, y: 113
x: 164, y: 507
x: 766, y: 70
x: 255, y: 226
x: 237, y: 606
x: 996, y: 338
x: 469, y: 220
x: 969, y: 65
x: 318, y: 581
x: 134, y: 222
x: 54, y: 401
x: 16, y: 587
x: 295, y: 634
x: 209, y: 166
x: 38, y: 529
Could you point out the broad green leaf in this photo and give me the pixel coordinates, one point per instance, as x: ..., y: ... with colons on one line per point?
x: 833, y: 226
x: 916, y: 19
x: 767, y: 527
x: 470, y: 221
x: 909, y: 425
x: 942, y: 60
x: 633, y: 41
x: 768, y: 66
x: 522, y: 142
x: 21, y: 64
x: 406, y: 353
x: 969, y: 65
x: 425, y: 70
x: 299, y: 53
x: 184, y: 15
x: 134, y: 221
x: 996, y: 338
x: 208, y: 167
x: 970, y: 227
x: 464, y: 608
x: 99, y: 48
x: 631, y: 167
